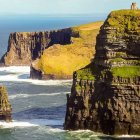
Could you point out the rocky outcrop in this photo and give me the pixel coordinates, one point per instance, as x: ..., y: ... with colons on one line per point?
x: 35, y: 74
x: 51, y: 53
x: 5, y: 107
x: 23, y: 47
x: 60, y: 61
x: 105, y: 95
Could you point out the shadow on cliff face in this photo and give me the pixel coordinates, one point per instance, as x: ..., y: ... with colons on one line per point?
x: 30, y: 45
x: 44, y: 40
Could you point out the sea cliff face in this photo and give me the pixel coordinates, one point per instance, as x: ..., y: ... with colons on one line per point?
x: 105, y: 95
x: 51, y: 53
x: 5, y: 107
x: 60, y: 61
x: 23, y: 47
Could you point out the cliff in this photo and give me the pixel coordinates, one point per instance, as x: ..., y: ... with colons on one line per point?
x: 5, y: 107
x: 23, y: 47
x: 105, y: 95
x: 51, y: 53
x: 60, y: 61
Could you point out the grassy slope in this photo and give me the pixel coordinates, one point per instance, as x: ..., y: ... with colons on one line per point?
x: 126, y: 71
x: 126, y: 22
x: 65, y: 59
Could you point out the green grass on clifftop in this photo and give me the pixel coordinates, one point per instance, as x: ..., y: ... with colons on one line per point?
x: 125, y: 20
x: 126, y: 71
x: 63, y: 60
x: 86, y: 73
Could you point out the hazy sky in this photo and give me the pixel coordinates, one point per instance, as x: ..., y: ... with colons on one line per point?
x: 62, y: 6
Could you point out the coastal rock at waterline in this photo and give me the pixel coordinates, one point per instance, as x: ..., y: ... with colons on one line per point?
x: 105, y: 95
x: 5, y: 107
x: 35, y: 73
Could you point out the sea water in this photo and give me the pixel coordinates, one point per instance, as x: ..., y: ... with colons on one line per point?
x: 38, y: 107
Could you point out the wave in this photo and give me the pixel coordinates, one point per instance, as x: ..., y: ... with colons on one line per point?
x: 80, y: 134
x: 31, y: 123
x: 91, y: 135
x: 16, y: 69
x: 21, y: 74
x: 33, y: 95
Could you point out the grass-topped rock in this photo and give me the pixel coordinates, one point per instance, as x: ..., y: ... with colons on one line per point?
x: 60, y: 61
x: 105, y: 94
x: 124, y: 20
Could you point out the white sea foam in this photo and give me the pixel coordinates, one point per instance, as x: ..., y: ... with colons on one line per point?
x: 128, y: 136
x: 16, y: 124
x: 31, y: 123
x: 16, y: 69
x: 21, y: 74
x: 33, y: 95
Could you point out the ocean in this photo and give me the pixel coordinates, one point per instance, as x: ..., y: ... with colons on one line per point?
x: 39, y: 106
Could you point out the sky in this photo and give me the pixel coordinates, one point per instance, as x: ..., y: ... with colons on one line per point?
x: 62, y: 6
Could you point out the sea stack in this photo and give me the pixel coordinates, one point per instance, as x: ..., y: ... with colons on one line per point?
x: 5, y: 107
x: 105, y: 95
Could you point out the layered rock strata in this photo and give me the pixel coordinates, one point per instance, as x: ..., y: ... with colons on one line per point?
x: 23, y: 47
x: 5, y: 107
x: 105, y: 95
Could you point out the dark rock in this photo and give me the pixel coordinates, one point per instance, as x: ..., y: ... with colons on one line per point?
x: 105, y: 95
x: 35, y: 74
x: 5, y: 107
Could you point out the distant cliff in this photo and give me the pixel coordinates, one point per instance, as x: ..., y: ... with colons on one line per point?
x: 23, y: 47
x: 105, y: 95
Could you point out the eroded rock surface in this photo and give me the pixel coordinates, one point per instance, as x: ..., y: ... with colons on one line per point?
x: 105, y: 95
x: 23, y: 47
x: 5, y: 107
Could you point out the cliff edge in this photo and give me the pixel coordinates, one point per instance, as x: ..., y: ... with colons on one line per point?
x: 53, y: 54
x: 60, y: 61
x: 23, y: 47
x: 105, y: 95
